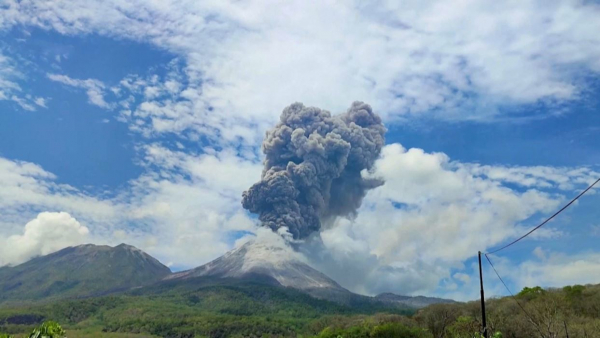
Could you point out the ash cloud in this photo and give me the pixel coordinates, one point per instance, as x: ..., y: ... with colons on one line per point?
x: 312, y: 169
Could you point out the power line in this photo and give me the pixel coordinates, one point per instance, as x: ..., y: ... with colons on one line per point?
x: 512, y: 295
x: 547, y: 220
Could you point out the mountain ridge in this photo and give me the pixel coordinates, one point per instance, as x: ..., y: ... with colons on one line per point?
x: 80, y: 271
x: 91, y: 270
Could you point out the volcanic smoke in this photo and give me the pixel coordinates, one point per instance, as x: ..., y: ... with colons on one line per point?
x: 312, y: 169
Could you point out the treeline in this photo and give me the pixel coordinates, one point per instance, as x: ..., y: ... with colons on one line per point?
x: 573, y: 311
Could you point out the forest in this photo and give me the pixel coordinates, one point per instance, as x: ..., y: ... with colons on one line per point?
x: 261, y: 311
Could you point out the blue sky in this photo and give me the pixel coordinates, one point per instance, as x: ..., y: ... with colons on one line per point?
x: 142, y: 123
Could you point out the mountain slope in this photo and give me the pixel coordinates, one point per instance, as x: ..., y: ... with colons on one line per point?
x: 81, y: 271
x: 280, y: 264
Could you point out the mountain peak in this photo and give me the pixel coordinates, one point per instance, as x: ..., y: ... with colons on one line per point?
x: 80, y: 271
x: 272, y: 259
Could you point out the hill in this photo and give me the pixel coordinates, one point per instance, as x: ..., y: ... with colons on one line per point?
x: 81, y: 271
x: 200, y: 306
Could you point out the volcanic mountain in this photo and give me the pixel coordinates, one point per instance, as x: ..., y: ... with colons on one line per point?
x: 280, y: 264
x: 92, y: 270
x: 81, y: 271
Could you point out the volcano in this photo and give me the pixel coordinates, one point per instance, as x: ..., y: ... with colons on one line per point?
x: 280, y: 264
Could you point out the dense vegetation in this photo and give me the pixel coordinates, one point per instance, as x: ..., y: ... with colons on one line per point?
x: 258, y: 310
x: 542, y: 313
x: 209, y: 309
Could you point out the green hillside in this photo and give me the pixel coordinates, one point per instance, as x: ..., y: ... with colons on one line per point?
x: 82, y: 271
x: 218, y: 308
x: 204, y: 306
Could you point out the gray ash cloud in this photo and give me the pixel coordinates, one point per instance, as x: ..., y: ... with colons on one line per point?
x: 313, y: 167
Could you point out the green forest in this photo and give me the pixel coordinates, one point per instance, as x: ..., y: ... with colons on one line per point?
x: 254, y: 310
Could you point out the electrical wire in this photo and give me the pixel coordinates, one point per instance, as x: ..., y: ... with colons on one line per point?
x: 513, y: 296
x: 547, y: 220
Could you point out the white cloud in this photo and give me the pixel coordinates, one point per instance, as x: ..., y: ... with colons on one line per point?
x: 10, y: 90
x: 23, y: 103
x: 95, y: 89
x: 538, y: 176
x: 240, y: 63
x: 193, y: 199
x: 40, y: 101
x: 556, y: 269
x: 245, y: 61
x: 25, y: 184
x: 47, y: 233
x: 8, y: 73
x: 429, y: 216
x: 411, y: 236
x: 463, y: 277
x: 182, y: 200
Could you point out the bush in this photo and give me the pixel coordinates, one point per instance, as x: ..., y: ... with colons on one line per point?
x: 48, y: 329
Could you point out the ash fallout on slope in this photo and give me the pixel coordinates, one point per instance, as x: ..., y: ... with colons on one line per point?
x: 312, y: 169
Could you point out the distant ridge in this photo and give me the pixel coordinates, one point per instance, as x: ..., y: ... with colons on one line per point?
x: 80, y: 271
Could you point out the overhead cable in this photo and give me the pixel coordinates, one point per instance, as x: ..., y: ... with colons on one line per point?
x: 547, y: 220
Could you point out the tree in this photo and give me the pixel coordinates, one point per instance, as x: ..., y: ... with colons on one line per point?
x: 437, y: 318
x: 48, y: 329
x: 531, y: 293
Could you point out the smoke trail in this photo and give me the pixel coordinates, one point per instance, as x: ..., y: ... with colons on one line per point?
x: 312, y: 167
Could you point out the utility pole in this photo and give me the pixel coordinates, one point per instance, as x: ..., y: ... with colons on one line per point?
x: 484, y: 325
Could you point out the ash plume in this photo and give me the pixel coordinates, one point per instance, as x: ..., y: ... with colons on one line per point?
x: 312, y: 169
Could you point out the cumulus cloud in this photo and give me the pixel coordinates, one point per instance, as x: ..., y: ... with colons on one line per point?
x: 430, y: 216
x: 47, y: 233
